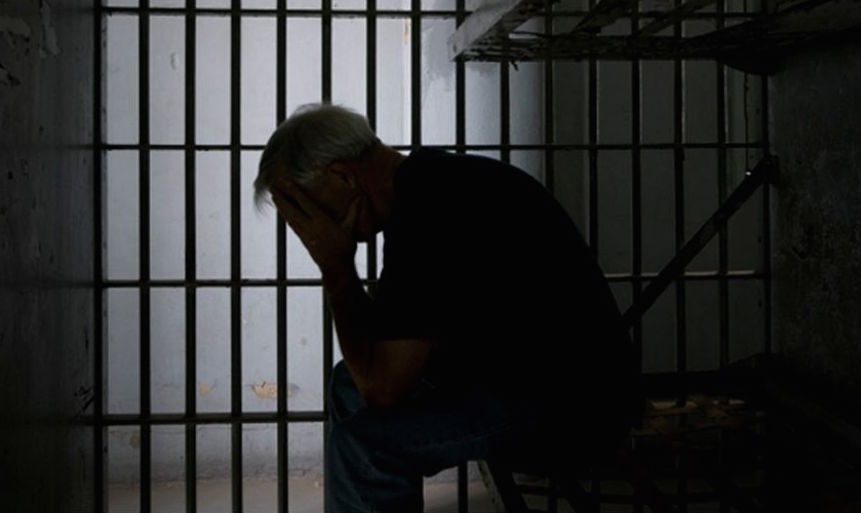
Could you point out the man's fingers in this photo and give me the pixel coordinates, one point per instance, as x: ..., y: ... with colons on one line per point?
x: 294, y: 192
x: 288, y: 207
x: 352, y: 214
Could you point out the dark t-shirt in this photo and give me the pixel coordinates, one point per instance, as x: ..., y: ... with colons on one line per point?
x: 482, y: 260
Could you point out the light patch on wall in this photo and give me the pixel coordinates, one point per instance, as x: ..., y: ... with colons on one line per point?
x: 135, y: 440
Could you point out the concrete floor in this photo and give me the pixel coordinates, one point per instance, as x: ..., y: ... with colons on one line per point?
x: 261, y: 496
x: 306, y: 496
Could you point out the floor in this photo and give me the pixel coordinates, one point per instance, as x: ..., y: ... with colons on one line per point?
x: 261, y: 496
x: 306, y: 496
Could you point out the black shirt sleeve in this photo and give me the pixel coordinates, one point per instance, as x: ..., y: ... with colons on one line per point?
x: 406, y: 300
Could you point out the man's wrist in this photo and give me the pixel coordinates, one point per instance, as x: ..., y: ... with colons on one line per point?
x: 338, y: 278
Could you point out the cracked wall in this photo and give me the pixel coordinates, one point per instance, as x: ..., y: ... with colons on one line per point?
x: 46, y: 255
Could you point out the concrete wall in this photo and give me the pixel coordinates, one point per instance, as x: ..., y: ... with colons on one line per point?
x: 815, y: 112
x: 46, y: 255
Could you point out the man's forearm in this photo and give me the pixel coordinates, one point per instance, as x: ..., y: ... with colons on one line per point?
x: 352, y: 310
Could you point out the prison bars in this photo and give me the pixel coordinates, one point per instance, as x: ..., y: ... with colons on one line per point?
x: 236, y: 283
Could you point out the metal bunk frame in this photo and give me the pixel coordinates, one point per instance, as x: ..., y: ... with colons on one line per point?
x: 754, y: 45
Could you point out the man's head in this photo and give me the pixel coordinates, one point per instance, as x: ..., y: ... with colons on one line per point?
x: 312, y: 138
x: 328, y: 151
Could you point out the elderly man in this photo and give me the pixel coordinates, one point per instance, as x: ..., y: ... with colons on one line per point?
x: 492, y: 333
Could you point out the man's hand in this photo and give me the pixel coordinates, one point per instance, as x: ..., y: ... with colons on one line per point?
x: 330, y: 242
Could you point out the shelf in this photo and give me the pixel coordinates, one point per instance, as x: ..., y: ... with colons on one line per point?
x: 753, y: 43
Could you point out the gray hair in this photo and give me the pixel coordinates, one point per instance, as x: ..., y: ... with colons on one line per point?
x: 313, y: 137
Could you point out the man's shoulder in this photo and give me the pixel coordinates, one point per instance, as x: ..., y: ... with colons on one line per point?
x: 431, y: 164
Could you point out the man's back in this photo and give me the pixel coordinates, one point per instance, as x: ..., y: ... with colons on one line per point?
x: 480, y: 258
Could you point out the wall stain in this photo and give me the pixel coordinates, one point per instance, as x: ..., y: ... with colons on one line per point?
x: 266, y: 390
x: 49, y: 34
x: 7, y: 79
x: 204, y: 389
x: 14, y: 27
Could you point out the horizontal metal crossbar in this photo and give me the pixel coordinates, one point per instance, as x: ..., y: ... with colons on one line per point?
x: 212, y: 418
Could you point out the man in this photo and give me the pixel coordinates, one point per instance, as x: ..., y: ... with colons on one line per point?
x: 492, y: 334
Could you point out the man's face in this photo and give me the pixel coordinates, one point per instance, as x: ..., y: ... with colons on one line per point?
x: 335, y: 192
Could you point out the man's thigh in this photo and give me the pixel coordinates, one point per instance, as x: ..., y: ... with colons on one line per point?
x: 434, y: 430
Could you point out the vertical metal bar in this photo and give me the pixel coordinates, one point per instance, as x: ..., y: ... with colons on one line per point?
x: 766, y: 217
x: 723, y: 234
x: 636, y: 190
x: 328, y: 341
x: 679, y: 190
x: 99, y: 356
x: 504, y: 112
x: 235, y: 256
x: 328, y: 338
x: 371, y: 63
x: 190, y: 260
x: 326, y: 28
x: 416, y: 71
x: 593, y: 151
x: 144, y: 234
x: 593, y: 191
x: 371, y: 109
x: 460, y: 88
x: 460, y: 144
x: 766, y: 239
x: 281, y: 265
x: 462, y: 488
x: 549, y: 108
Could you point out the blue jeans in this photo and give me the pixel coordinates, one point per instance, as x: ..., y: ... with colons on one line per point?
x: 377, y: 458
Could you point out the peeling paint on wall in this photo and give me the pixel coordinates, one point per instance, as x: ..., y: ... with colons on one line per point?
x: 266, y: 390
x: 204, y: 388
x: 7, y: 79
x: 49, y: 34
x: 46, y: 43
x: 14, y: 27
